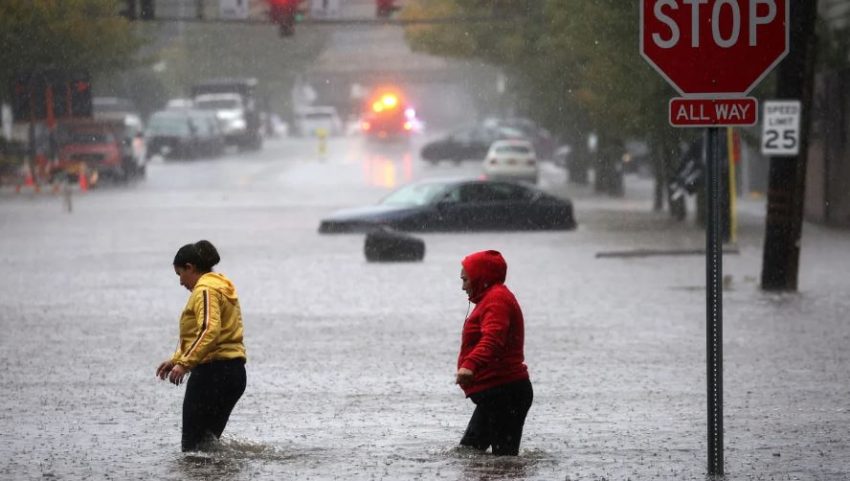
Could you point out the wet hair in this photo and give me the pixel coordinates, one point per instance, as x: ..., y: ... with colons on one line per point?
x: 201, y: 254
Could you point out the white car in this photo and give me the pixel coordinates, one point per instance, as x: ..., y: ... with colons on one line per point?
x: 511, y: 160
x: 310, y: 121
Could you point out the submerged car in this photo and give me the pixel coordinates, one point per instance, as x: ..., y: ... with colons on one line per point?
x: 458, y: 205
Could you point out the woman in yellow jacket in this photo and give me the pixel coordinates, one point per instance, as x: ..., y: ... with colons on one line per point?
x: 210, y: 346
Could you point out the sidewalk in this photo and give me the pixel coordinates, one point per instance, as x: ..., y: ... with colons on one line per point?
x: 634, y: 212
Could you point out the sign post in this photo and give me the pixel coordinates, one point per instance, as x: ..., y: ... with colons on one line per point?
x: 713, y: 52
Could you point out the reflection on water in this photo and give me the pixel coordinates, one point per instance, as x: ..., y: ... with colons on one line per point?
x: 381, y: 170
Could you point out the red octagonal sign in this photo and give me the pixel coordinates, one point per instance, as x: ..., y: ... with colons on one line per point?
x: 714, y: 48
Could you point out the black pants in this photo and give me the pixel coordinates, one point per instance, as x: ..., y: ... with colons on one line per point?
x: 211, y: 392
x: 499, y: 417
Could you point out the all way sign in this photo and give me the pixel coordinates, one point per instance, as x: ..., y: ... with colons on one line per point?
x: 701, y: 112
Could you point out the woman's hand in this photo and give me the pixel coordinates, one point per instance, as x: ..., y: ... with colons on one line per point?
x: 164, y: 369
x: 177, y: 373
x: 464, y: 377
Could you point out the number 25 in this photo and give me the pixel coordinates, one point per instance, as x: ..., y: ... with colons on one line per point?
x: 789, y: 139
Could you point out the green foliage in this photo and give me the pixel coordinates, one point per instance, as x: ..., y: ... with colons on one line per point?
x: 574, y: 64
x: 66, y: 34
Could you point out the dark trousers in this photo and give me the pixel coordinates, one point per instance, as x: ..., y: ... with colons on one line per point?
x: 499, y: 417
x: 211, y: 392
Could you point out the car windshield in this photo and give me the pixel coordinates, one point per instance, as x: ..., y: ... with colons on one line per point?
x: 513, y: 149
x: 86, y: 137
x: 217, y: 104
x: 415, y: 194
x: 168, y: 126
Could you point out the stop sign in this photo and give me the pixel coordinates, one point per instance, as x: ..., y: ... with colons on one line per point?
x: 714, y: 48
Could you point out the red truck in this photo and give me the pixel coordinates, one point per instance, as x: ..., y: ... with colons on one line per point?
x: 106, y: 148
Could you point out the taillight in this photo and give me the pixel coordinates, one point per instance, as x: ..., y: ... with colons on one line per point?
x: 530, y: 162
x: 491, y: 161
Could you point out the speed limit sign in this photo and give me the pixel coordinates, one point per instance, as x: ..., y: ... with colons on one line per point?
x: 780, y: 135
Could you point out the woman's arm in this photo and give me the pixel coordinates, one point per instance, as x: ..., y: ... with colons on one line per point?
x: 207, y: 308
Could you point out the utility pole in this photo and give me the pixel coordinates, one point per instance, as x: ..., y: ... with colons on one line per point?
x: 787, y: 178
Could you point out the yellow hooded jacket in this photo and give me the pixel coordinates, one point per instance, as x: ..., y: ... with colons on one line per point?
x: 211, y: 323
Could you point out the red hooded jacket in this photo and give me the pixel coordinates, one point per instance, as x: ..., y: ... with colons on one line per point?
x: 494, y: 333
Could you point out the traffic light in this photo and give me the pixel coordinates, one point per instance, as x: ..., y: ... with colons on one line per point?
x: 284, y: 13
x: 79, y: 87
x: 385, y: 8
x: 21, y: 99
x: 68, y: 95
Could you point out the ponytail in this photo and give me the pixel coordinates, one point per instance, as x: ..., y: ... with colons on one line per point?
x: 202, y: 254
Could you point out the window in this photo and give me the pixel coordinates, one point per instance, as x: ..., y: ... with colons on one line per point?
x: 513, y: 149
x: 493, y: 192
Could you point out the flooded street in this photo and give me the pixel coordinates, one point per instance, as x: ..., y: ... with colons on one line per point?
x: 350, y: 364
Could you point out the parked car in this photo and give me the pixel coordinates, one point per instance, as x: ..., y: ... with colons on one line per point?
x: 542, y: 140
x: 107, y: 148
x: 467, y: 144
x: 310, y: 120
x: 182, y: 133
x: 512, y: 160
x: 457, y: 205
x: 179, y: 103
x: 213, y: 137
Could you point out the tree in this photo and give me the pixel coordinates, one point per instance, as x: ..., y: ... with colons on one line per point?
x: 85, y: 35
x: 574, y: 64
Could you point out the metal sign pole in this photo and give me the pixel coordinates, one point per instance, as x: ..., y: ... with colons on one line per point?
x: 714, y: 303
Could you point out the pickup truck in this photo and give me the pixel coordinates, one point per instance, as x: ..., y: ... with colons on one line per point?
x: 233, y: 100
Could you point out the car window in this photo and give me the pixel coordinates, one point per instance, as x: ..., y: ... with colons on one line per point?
x: 514, y: 192
x: 218, y: 104
x: 493, y: 192
x: 479, y: 193
x: 453, y: 195
x: 168, y: 126
x: 513, y: 149
x: 85, y: 137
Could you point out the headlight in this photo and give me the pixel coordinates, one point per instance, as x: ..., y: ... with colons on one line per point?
x: 237, y: 124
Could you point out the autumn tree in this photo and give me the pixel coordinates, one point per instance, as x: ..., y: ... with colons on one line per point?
x: 84, y: 35
x: 573, y: 64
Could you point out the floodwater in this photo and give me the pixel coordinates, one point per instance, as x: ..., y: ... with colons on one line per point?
x: 351, y: 364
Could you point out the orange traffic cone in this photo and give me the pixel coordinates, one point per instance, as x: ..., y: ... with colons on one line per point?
x: 84, y: 181
x: 29, y: 180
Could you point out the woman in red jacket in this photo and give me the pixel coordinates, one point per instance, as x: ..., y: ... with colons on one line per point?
x: 491, y: 368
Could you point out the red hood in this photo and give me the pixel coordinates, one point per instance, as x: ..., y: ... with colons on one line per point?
x: 484, y: 269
